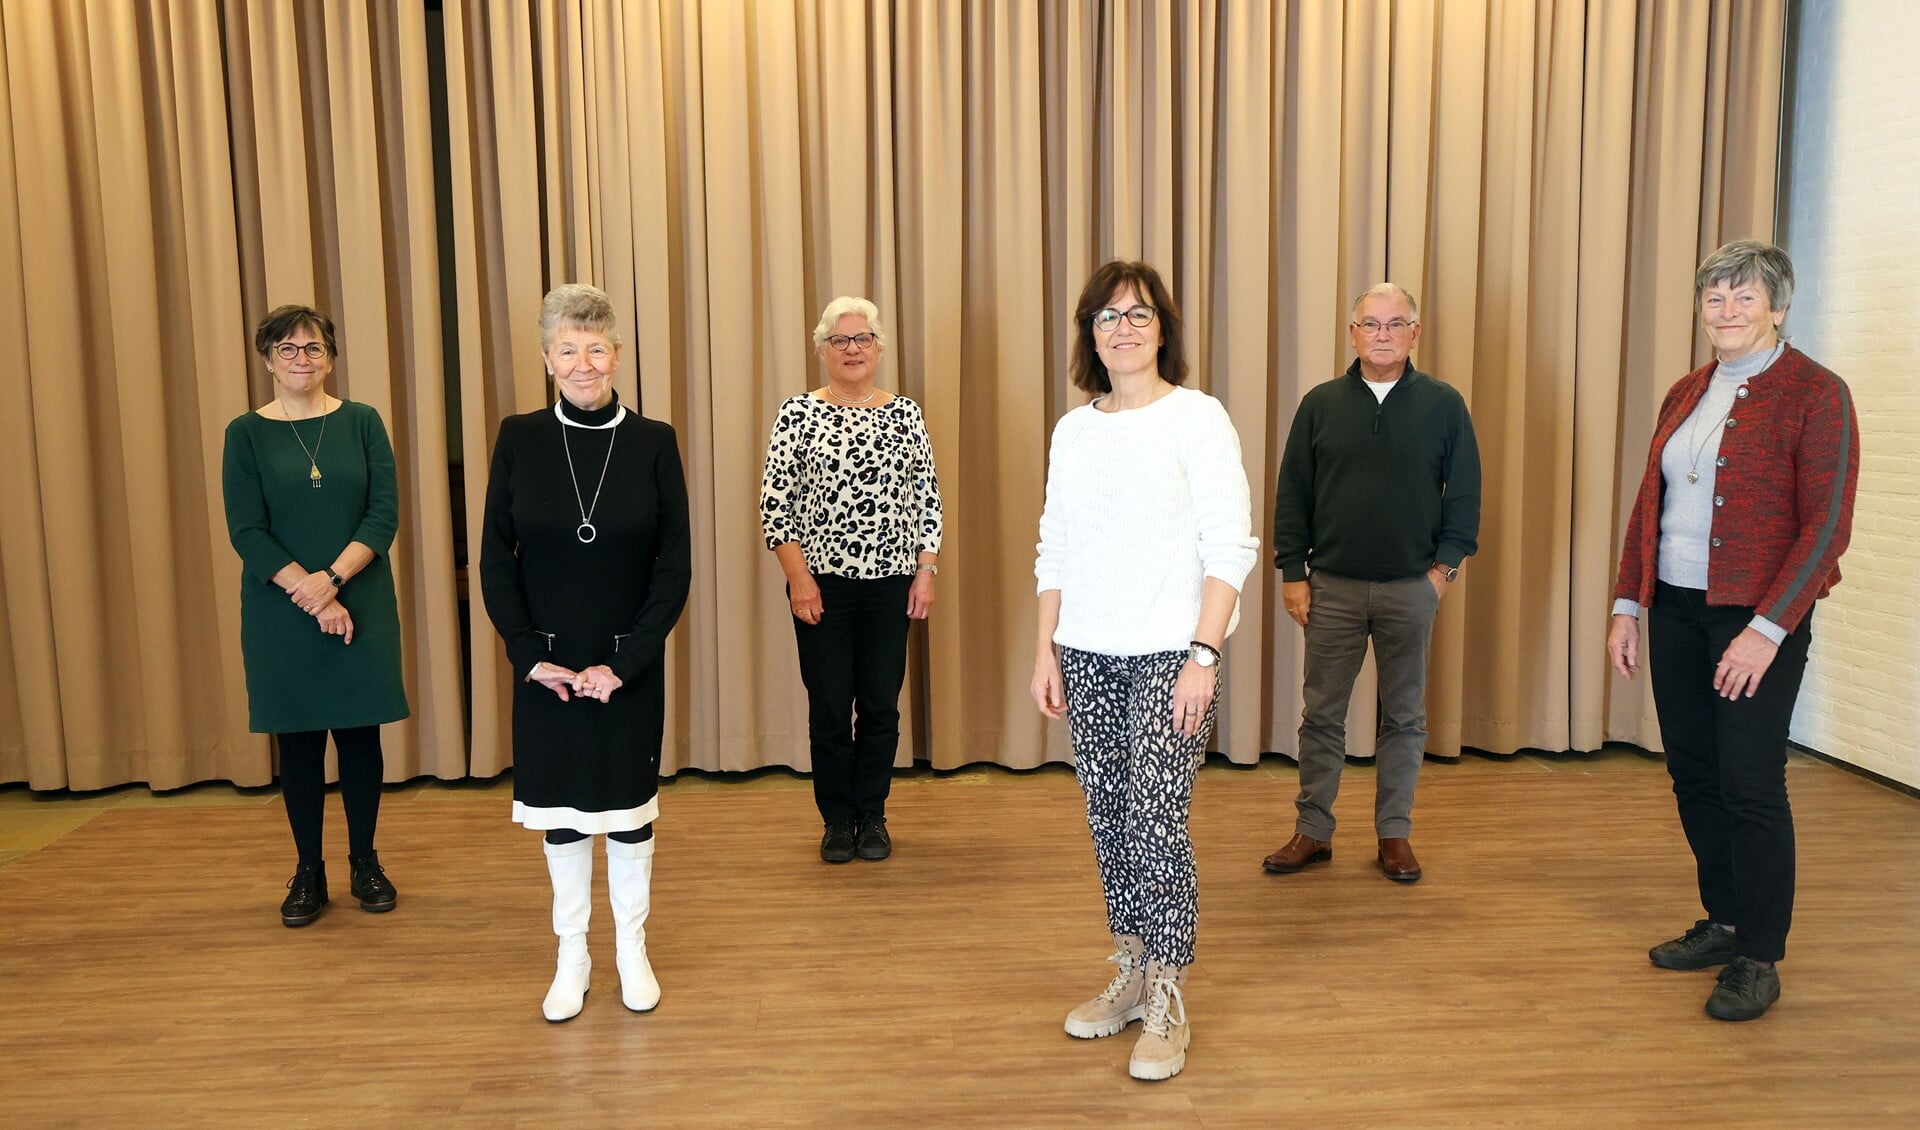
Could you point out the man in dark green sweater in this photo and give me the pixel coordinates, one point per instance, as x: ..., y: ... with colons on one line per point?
x: 1378, y: 503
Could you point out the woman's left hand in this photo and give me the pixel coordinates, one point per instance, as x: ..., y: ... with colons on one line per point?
x: 1740, y: 667
x: 1192, y: 694
x: 597, y: 682
x: 920, y: 596
x: 314, y: 592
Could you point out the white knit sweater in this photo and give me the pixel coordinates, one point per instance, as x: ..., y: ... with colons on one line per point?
x: 1142, y: 507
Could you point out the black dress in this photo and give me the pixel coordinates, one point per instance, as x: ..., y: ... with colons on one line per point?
x: 590, y: 766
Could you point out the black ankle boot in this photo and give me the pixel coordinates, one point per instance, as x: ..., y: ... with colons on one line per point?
x: 306, y: 894
x: 370, y: 884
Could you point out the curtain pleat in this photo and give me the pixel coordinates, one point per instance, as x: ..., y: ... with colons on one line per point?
x: 1543, y: 176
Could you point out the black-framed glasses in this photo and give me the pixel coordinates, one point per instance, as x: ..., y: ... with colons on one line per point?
x: 289, y: 350
x: 847, y: 342
x: 1398, y: 326
x: 1107, y: 318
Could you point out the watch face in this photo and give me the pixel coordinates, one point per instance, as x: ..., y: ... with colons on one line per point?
x: 1203, y: 658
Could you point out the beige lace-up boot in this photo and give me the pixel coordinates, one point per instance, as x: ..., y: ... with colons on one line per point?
x: 1161, y: 1052
x: 1122, y: 1002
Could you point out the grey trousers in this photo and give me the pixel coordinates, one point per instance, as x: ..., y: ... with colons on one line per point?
x: 1398, y: 617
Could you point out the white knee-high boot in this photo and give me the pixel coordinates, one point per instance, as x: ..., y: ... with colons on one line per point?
x: 571, y: 868
x: 629, y: 889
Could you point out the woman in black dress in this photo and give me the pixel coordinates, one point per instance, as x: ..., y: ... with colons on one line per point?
x: 312, y: 507
x: 584, y: 566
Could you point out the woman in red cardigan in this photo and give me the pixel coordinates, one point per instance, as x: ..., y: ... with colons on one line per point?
x: 1737, y: 529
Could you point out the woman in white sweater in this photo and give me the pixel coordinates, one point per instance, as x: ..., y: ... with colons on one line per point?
x: 1145, y: 541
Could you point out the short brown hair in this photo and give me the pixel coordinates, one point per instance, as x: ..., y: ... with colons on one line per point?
x: 281, y: 321
x: 1085, y: 366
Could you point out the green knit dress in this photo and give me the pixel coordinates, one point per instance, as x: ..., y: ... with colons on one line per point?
x: 298, y: 677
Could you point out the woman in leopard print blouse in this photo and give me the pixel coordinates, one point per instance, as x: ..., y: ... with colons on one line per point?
x: 850, y: 504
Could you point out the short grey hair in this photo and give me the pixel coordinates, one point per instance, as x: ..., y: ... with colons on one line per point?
x: 1745, y: 262
x: 1386, y: 289
x: 577, y: 306
x: 840, y: 308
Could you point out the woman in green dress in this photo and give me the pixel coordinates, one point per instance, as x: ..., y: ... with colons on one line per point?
x: 312, y: 507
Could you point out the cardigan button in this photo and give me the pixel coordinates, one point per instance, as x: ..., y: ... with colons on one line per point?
x: 1719, y: 500
x: 1742, y: 394
x: 1720, y: 462
x: 1731, y: 421
x: 1715, y: 543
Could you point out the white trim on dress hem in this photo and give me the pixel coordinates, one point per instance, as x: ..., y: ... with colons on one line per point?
x: 587, y: 823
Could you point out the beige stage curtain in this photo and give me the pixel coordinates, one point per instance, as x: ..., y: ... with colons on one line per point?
x: 1543, y: 175
x: 171, y: 171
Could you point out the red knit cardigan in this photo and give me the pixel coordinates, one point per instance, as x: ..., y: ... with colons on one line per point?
x: 1789, y: 459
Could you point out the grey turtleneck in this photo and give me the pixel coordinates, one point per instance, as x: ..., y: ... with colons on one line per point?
x: 1686, y: 509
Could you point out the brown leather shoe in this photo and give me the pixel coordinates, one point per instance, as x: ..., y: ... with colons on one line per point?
x: 1298, y: 852
x: 1397, y: 861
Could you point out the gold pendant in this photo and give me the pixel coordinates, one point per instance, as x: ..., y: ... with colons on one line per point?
x: 314, y: 474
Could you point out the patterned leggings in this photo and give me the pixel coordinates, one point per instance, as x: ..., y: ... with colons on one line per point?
x: 1138, y: 773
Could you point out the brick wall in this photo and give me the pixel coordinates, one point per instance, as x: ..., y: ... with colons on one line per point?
x: 1852, y: 225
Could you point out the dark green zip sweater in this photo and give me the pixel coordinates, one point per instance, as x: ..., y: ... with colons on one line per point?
x: 1377, y: 491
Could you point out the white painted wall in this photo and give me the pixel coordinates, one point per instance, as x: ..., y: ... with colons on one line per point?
x: 1853, y: 230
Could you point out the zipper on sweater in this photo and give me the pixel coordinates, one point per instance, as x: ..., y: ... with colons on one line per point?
x: 1377, y: 410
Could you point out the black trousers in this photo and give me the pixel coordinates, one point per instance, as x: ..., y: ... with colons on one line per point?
x: 1728, y: 761
x: 303, y: 786
x: 853, y: 663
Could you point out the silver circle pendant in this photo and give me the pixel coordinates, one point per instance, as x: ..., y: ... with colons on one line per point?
x: 586, y: 533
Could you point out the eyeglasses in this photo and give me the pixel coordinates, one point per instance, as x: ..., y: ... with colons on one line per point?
x: 846, y: 344
x: 289, y: 350
x: 1106, y: 319
x: 1396, y: 327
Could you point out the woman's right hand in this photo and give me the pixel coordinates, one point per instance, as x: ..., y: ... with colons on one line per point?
x: 555, y: 678
x: 334, y: 619
x: 1623, y: 645
x: 1049, y: 690
x: 803, y: 594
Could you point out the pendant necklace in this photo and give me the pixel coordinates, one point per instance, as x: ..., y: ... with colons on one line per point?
x: 1700, y: 445
x: 586, y: 531
x: 313, y: 454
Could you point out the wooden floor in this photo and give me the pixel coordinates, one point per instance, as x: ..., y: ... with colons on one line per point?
x: 147, y: 980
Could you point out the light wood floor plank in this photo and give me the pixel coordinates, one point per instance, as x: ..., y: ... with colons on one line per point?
x: 148, y: 982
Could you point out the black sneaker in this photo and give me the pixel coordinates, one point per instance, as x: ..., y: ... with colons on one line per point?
x: 306, y: 895
x: 837, y: 845
x: 1703, y: 946
x: 1746, y: 990
x: 370, y: 883
x: 874, y: 841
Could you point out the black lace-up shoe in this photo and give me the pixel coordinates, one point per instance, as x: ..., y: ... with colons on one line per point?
x: 1746, y: 990
x: 837, y: 845
x: 371, y: 885
x: 1699, y: 948
x: 306, y: 895
x: 874, y: 841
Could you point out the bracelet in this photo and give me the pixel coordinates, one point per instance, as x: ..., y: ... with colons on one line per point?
x: 927, y: 567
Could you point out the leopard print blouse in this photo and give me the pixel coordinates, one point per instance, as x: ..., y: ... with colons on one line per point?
x: 854, y: 486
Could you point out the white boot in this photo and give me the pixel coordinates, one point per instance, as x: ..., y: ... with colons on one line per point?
x: 629, y: 885
x: 571, y: 868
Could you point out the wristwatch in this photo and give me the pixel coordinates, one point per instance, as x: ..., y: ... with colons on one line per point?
x: 1203, y: 655
x: 927, y: 567
x: 1447, y: 572
x: 336, y: 578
